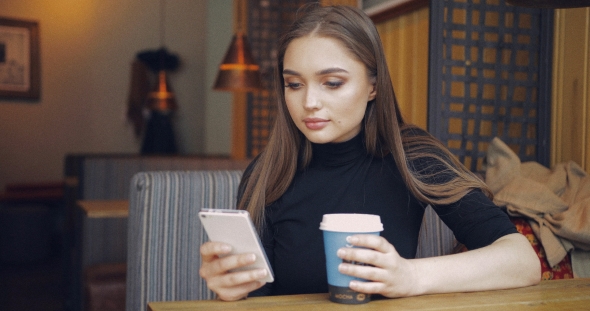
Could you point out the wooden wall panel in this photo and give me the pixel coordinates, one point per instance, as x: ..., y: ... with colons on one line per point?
x: 570, y: 128
x: 405, y: 40
x: 339, y: 2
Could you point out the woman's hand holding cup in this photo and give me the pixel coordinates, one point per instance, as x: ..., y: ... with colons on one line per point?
x: 386, y: 272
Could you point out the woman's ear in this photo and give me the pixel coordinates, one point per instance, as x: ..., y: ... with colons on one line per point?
x: 373, y: 93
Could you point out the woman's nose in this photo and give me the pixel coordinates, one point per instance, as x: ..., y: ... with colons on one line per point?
x: 312, y: 100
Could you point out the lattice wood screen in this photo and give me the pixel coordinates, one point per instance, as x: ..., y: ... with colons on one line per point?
x: 267, y: 21
x: 490, y: 77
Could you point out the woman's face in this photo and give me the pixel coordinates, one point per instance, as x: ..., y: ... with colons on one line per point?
x: 326, y: 89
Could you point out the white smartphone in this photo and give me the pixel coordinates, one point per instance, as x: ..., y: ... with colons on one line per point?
x: 235, y: 228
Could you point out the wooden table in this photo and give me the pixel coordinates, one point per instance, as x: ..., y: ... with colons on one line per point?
x: 105, y: 208
x: 101, y: 238
x: 572, y: 294
x: 103, y: 231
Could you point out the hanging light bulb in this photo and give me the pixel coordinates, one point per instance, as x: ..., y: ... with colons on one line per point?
x: 239, y: 71
x: 162, y: 98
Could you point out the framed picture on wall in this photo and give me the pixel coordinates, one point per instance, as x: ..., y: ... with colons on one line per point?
x: 19, y: 59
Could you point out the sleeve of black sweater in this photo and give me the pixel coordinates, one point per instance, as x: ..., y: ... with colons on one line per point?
x: 475, y: 220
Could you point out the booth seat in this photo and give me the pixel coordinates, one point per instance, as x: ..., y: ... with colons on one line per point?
x: 94, y: 267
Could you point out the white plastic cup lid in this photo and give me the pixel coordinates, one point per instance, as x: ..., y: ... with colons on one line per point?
x: 355, y: 223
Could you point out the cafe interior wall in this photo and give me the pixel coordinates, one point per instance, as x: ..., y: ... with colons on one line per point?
x: 86, y: 51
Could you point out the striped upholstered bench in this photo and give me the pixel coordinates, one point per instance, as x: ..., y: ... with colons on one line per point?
x: 108, y: 177
x: 164, y: 232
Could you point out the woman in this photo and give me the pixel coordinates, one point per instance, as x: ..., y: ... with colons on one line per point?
x: 340, y: 145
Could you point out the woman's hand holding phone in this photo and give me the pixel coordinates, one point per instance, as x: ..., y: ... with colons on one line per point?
x: 234, y: 262
x: 216, y: 266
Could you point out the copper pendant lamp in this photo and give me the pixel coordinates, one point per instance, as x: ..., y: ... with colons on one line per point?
x: 238, y: 72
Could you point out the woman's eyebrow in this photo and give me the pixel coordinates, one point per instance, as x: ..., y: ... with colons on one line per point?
x: 319, y: 73
x: 290, y: 72
x: 331, y: 70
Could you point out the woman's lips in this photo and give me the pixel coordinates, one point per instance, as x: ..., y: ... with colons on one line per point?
x: 315, y: 123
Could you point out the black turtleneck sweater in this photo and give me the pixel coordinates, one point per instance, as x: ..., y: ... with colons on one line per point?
x: 343, y: 178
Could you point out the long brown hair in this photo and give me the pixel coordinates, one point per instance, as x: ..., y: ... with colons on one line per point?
x: 386, y: 133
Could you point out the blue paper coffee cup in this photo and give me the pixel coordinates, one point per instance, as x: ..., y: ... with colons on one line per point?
x: 336, y: 228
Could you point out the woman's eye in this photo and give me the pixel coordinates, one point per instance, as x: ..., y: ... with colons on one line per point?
x: 293, y: 85
x: 333, y: 84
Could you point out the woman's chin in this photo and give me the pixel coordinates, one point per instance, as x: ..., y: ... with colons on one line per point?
x: 318, y: 138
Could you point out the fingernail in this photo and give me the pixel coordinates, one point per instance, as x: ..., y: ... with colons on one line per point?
x: 353, y: 284
x: 351, y: 239
x: 340, y: 253
x: 261, y: 273
x: 341, y: 268
x: 251, y: 257
x: 225, y: 248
